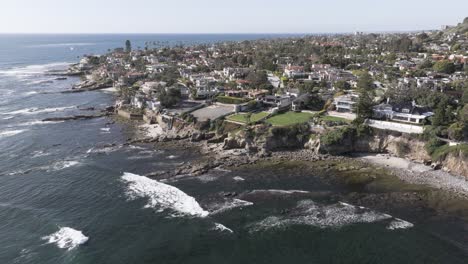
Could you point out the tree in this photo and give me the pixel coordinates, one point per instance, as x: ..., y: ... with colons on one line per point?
x: 342, y: 85
x: 442, y: 113
x: 444, y: 66
x: 363, y: 107
x: 128, y: 46
x: 170, y: 97
x: 257, y: 78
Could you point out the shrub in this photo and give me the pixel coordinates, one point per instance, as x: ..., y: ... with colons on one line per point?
x: 230, y: 100
x: 433, y: 144
x: 337, y: 136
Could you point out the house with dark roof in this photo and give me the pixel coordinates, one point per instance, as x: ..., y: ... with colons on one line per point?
x: 407, y: 112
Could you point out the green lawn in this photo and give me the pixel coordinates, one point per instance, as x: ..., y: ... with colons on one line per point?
x: 242, y: 117
x: 289, y: 118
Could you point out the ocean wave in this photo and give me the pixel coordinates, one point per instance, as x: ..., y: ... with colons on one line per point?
x: 57, y: 166
x: 279, y: 192
x: 103, y: 150
x: 9, y: 133
x: 34, y: 110
x: 39, y: 153
x: 60, y: 165
x: 57, y: 45
x: 30, y: 93
x: 307, y: 212
x: 238, y: 178
x: 66, y: 238
x: 37, y: 122
x: 399, y: 224
x: 227, y: 205
x: 161, y: 196
x: 33, y: 70
x: 222, y: 228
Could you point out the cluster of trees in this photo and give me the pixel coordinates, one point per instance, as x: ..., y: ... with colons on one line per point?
x: 365, y: 103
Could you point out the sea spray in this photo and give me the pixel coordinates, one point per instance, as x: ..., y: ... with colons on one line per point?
x: 308, y: 212
x: 66, y: 238
x: 162, y: 196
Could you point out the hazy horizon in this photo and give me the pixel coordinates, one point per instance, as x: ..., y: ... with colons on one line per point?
x: 213, y: 17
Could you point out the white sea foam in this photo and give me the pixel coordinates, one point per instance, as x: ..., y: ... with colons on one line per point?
x: 33, y: 70
x: 275, y: 191
x: 66, y: 238
x: 38, y: 122
x: 39, y: 153
x: 9, y: 133
x: 162, y: 196
x: 33, y: 111
x: 228, y: 204
x: 336, y: 215
x: 105, y: 150
x: 206, y: 178
x: 30, y: 93
x: 222, y: 228
x: 60, y: 165
x: 57, y: 45
x: 399, y: 224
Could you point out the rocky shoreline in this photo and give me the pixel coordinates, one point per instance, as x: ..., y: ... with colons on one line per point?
x: 215, y: 156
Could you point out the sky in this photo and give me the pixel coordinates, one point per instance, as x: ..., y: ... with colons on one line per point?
x: 219, y: 16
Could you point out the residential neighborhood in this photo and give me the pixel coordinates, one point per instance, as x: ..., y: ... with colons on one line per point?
x: 400, y: 80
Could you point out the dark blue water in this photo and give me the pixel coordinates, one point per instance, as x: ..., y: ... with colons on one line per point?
x: 64, y: 197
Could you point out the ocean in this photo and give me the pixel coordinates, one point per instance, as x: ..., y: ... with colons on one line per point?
x: 71, y: 192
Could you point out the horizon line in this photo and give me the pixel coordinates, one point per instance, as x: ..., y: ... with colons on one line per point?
x: 216, y: 33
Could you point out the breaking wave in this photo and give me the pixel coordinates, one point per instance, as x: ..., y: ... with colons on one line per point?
x: 57, y: 45
x: 307, y: 212
x: 33, y: 70
x: 399, y: 224
x: 221, y: 228
x: 66, y: 238
x: 33, y: 111
x: 161, y: 196
x: 9, y: 133
x: 228, y: 205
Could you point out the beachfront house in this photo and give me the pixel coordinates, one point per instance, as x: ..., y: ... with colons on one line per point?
x: 345, y: 103
x: 407, y: 113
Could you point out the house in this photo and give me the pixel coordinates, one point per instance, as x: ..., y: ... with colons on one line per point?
x: 134, y: 77
x: 184, y: 90
x: 236, y: 93
x: 300, y: 102
x: 292, y: 71
x: 150, y: 87
x: 345, y: 103
x: 282, y: 101
x: 294, y: 92
x: 204, y: 92
x: 235, y: 73
x: 404, y: 65
x: 138, y: 101
x: 156, y: 68
x: 407, y: 113
x: 256, y: 94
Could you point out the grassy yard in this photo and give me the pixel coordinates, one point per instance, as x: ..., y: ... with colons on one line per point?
x: 290, y: 118
x: 242, y: 117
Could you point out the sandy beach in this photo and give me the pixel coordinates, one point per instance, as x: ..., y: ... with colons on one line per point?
x: 417, y: 173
